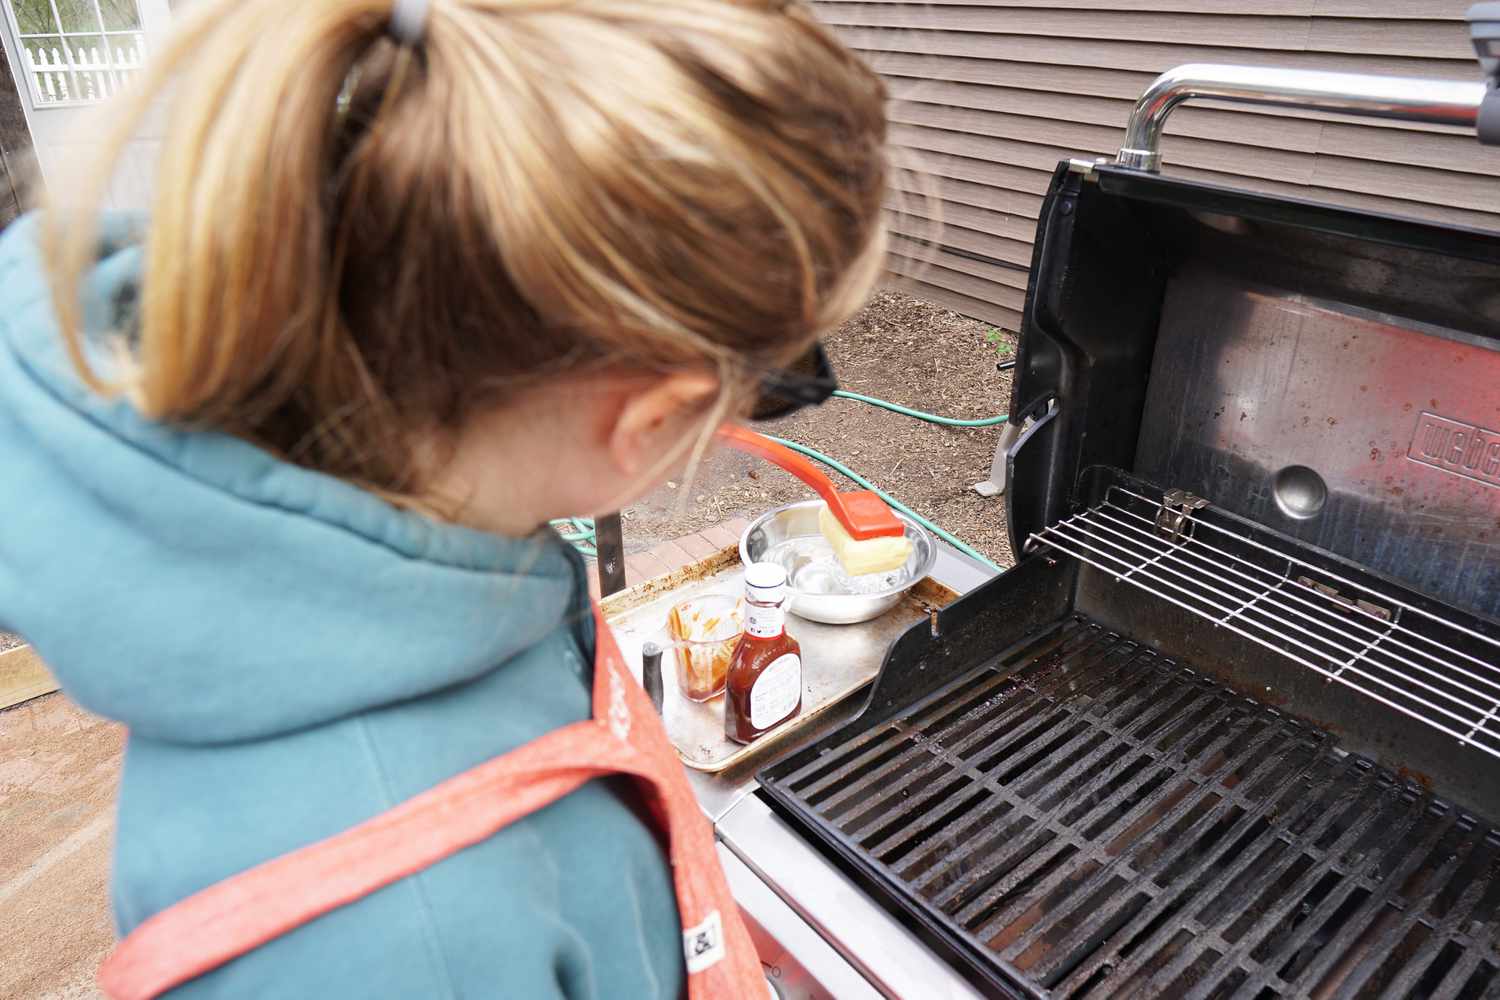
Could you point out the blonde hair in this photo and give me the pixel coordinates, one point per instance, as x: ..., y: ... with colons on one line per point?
x: 353, y: 241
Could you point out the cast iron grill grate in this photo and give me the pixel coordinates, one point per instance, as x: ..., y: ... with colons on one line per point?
x: 1400, y: 655
x: 1096, y: 821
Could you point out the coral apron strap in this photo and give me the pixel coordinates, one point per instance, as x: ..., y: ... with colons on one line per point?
x: 237, y: 915
x: 243, y: 912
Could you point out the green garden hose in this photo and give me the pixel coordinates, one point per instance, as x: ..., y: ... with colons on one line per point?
x: 931, y: 418
x: 580, y: 530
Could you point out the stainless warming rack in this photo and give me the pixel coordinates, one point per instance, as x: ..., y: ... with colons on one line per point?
x: 1401, y: 655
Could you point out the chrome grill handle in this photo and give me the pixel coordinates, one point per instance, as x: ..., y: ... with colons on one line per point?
x: 1440, y: 102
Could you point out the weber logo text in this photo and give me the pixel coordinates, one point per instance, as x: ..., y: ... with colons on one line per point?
x: 1456, y: 447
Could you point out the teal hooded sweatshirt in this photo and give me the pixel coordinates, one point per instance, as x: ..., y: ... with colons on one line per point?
x: 293, y: 656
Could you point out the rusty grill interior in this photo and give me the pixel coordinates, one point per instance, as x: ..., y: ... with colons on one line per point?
x: 1095, y: 820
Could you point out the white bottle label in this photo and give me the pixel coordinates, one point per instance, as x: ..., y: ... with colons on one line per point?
x: 764, y: 621
x: 776, y: 691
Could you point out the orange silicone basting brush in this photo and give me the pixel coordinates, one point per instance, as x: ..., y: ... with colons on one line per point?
x: 866, y: 536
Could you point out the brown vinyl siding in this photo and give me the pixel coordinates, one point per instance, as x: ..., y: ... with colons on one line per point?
x: 990, y: 94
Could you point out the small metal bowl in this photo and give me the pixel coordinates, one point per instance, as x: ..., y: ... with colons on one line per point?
x: 800, y: 520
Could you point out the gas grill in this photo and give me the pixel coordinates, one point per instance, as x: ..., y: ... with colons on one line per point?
x: 1231, y: 725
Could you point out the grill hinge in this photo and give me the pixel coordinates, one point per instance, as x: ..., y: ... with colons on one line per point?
x: 1177, y: 508
x: 1086, y: 167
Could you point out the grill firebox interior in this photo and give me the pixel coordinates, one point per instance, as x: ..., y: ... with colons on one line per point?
x: 1083, y: 817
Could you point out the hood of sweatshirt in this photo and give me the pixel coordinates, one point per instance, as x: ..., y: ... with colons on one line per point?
x: 201, y: 590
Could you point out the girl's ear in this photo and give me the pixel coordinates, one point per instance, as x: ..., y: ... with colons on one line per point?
x: 654, y: 417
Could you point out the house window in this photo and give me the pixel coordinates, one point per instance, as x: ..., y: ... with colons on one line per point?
x: 77, y: 51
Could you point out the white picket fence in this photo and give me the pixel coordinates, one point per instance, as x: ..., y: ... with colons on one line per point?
x: 91, y: 75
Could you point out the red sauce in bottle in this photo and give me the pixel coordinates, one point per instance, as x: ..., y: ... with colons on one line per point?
x: 764, y: 684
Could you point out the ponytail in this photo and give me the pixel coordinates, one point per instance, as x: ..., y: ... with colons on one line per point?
x: 353, y: 241
x: 239, y: 315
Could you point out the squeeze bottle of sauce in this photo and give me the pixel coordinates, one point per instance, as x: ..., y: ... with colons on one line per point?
x: 763, y: 687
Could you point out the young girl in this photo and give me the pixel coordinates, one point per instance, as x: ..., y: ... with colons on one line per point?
x: 278, y: 459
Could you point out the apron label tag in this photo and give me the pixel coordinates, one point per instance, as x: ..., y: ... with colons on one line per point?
x: 703, y: 945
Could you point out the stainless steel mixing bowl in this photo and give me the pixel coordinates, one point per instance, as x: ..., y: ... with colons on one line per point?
x: 799, y: 520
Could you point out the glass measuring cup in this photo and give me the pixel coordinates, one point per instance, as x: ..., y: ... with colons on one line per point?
x: 704, y: 632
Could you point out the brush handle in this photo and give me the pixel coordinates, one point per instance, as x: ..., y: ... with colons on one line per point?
x: 743, y: 439
x: 862, y: 513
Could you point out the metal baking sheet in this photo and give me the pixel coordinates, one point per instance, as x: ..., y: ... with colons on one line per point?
x: 837, y: 660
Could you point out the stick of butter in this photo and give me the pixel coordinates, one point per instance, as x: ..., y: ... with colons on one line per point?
x: 860, y: 556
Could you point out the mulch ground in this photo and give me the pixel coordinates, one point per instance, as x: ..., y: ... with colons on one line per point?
x: 900, y: 349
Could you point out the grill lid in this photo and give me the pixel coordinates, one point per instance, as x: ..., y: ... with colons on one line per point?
x: 1330, y: 373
